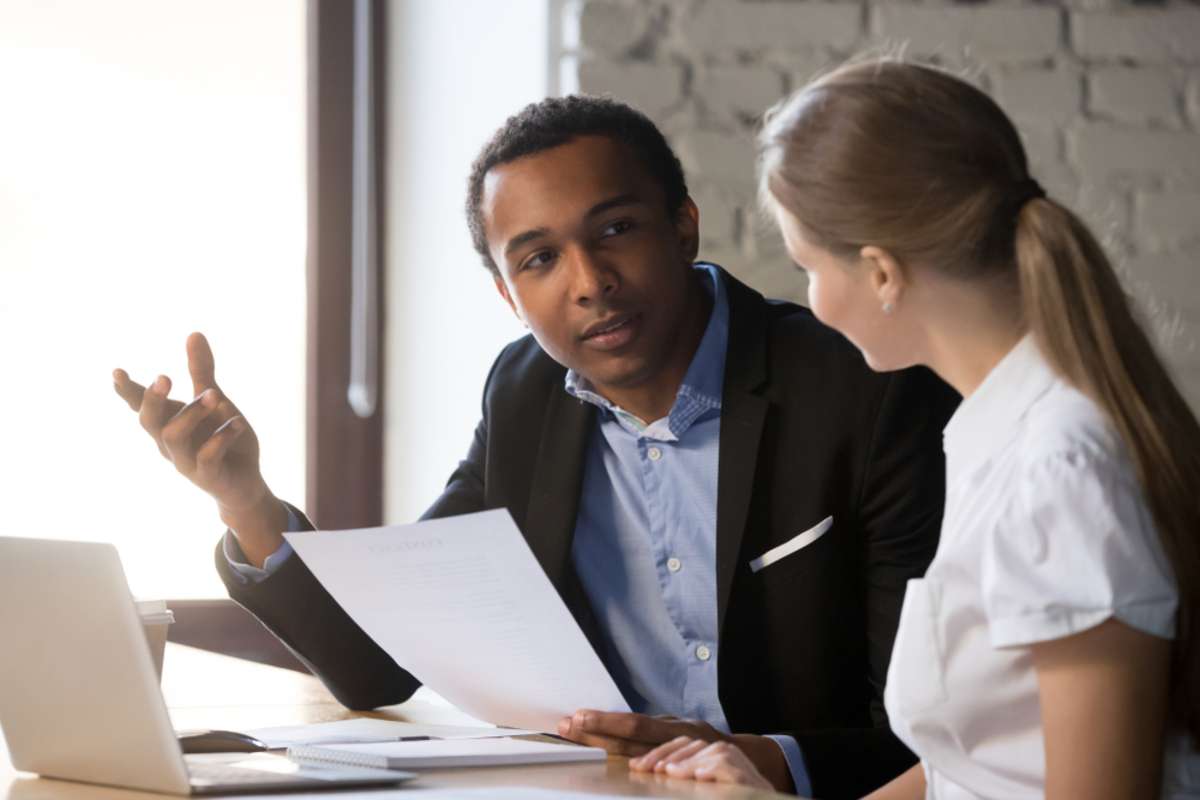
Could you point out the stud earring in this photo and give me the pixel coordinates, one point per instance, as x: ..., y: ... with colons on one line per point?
x: 888, y: 308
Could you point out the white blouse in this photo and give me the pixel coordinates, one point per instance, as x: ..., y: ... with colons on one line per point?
x: 1045, y: 534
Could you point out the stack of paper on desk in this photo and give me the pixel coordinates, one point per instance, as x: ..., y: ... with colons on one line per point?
x: 445, y: 753
x: 351, y: 731
x: 463, y: 605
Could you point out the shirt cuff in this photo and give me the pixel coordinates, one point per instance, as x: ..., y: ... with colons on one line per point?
x: 247, y: 573
x: 795, y: 762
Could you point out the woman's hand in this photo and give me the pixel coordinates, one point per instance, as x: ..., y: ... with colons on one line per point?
x: 695, y: 759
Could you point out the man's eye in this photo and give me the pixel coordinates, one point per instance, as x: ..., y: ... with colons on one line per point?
x: 616, y: 228
x: 538, y: 259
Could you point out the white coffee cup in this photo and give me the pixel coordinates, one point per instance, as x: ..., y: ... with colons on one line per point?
x: 156, y: 617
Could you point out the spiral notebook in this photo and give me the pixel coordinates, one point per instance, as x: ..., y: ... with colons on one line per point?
x: 439, y: 753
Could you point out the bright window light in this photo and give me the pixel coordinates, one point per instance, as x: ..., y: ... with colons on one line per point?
x: 151, y: 184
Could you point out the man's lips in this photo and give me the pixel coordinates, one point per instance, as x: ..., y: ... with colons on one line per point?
x: 612, y: 332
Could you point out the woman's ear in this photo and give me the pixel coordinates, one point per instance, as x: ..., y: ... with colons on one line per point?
x: 887, y: 276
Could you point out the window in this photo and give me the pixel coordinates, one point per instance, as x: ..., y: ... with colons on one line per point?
x: 151, y: 183
x: 455, y: 71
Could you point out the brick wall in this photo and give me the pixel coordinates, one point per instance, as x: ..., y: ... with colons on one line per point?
x: 1106, y: 94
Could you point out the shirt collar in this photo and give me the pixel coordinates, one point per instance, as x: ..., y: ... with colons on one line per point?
x: 987, y: 419
x: 702, y: 384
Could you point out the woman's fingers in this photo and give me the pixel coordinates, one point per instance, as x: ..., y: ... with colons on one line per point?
x: 720, y: 762
x: 682, y: 754
x: 651, y: 760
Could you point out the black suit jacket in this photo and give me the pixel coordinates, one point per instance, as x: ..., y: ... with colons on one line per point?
x: 807, y: 431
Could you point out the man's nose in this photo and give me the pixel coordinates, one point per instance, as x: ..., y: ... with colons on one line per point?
x: 592, y: 279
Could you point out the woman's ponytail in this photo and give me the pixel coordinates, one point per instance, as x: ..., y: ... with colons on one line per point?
x: 1078, y: 312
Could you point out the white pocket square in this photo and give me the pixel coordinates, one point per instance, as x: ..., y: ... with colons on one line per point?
x: 797, y: 542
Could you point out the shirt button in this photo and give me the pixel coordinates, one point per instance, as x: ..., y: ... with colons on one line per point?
x: 654, y: 453
x: 703, y: 653
x: 674, y: 564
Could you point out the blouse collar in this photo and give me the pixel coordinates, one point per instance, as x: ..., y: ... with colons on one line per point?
x: 987, y: 419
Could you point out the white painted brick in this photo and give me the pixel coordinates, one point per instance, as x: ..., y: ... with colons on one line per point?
x: 1168, y: 221
x: 1164, y: 281
x: 1103, y: 152
x: 605, y: 26
x: 1107, y: 211
x: 1163, y: 287
x: 987, y: 32
x: 1059, y: 181
x: 1054, y: 95
x: 718, y: 25
x: 1093, y: 5
x: 767, y: 268
x: 726, y: 254
x: 1156, y: 35
x: 777, y: 279
x: 1043, y: 148
x: 718, y: 214
x: 724, y: 158
x: 651, y: 88
x: 1193, y: 99
x: 732, y: 92
x: 802, y: 66
x: 1133, y: 94
x: 1188, y: 383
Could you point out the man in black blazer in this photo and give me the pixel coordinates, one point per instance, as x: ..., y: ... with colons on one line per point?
x: 580, y: 211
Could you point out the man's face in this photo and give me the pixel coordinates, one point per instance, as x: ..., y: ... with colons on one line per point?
x: 591, y: 260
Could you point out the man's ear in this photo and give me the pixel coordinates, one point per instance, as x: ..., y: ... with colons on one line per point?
x: 887, y: 275
x: 502, y: 288
x: 687, y: 228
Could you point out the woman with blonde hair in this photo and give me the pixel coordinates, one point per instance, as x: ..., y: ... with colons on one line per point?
x: 1052, y: 648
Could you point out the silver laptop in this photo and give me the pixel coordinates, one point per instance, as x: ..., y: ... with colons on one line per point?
x: 79, y: 695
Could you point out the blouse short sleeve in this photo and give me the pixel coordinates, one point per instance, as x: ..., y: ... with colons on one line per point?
x: 1077, y: 546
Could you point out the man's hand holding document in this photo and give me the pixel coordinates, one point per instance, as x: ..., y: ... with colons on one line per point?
x: 463, y: 605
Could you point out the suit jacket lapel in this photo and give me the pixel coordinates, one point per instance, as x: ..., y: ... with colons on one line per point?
x: 743, y: 412
x: 554, y: 500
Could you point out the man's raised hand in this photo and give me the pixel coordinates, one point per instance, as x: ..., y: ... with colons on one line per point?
x: 213, y: 446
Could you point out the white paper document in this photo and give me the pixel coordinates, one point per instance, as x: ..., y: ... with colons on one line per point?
x: 445, y: 753
x: 463, y: 605
x: 365, y: 729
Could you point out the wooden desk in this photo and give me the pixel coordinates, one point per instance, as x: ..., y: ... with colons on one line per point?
x: 204, y: 690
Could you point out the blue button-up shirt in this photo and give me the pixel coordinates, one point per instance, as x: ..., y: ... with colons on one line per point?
x: 645, y: 543
x: 645, y: 540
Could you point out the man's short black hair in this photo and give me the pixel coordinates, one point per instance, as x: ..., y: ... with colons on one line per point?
x: 556, y: 121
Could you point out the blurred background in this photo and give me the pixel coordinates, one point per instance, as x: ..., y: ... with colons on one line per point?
x: 170, y: 166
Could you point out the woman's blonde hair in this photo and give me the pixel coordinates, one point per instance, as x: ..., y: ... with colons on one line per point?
x: 916, y: 161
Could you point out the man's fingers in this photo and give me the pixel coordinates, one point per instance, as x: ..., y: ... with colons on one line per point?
x: 128, y: 390
x: 200, y: 363
x: 179, y: 434
x: 635, y: 727
x: 614, y: 747
x: 212, y: 452
x: 154, y: 412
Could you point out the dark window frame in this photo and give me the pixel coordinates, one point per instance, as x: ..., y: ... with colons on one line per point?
x: 344, y: 469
